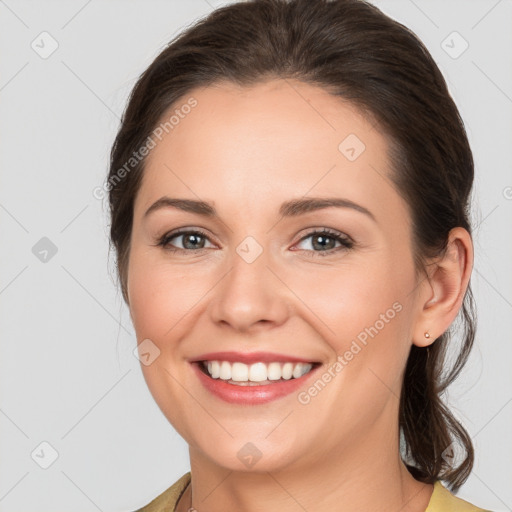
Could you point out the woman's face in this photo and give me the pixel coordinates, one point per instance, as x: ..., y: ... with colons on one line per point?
x: 258, y: 279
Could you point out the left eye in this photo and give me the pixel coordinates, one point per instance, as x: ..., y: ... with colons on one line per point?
x: 325, y: 241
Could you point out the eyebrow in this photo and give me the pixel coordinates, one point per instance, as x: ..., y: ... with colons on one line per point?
x: 290, y: 208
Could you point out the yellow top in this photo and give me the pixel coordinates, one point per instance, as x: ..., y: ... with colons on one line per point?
x: 442, y: 500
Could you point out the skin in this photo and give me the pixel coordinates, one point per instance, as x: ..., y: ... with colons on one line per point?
x: 246, y: 150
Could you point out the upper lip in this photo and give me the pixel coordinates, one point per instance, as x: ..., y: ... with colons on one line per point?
x: 250, y: 357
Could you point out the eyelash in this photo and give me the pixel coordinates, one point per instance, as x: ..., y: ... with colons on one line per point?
x: 346, y: 242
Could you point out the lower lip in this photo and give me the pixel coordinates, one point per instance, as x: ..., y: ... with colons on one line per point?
x: 250, y: 395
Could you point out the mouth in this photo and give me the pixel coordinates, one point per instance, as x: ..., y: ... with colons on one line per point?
x: 255, y: 374
x: 250, y: 385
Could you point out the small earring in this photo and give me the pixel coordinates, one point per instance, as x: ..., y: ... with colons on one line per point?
x: 427, y: 335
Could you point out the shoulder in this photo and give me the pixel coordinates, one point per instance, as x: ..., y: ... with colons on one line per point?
x: 442, y: 500
x: 166, y: 501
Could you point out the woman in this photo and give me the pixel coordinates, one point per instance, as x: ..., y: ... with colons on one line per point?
x: 289, y: 204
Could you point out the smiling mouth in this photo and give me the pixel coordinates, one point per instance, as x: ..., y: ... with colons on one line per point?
x: 256, y: 374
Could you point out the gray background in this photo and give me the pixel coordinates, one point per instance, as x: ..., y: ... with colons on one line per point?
x: 68, y: 374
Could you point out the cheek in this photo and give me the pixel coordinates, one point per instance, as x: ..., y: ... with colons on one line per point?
x: 350, y: 298
x: 162, y: 295
x: 152, y: 292
x: 361, y: 312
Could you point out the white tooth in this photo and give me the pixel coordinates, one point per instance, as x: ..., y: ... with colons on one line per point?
x: 287, y: 371
x: 239, y: 372
x: 297, y: 371
x: 215, y: 370
x: 258, y: 372
x: 225, y: 370
x: 274, y: 371
x: 306, y: 367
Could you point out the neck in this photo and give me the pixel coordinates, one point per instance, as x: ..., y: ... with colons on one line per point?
x: 368, y: 475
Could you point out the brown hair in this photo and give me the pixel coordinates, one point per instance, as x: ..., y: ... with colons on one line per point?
x: 354, y: 51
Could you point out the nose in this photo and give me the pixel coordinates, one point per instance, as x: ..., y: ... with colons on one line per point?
x: 250, y: 297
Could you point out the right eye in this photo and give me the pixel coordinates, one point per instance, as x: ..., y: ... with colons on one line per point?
x: 192, y: 241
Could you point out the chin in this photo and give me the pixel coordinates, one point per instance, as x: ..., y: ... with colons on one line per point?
x: 243, y: 455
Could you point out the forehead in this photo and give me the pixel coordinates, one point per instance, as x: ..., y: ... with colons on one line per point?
x: 280, y: 138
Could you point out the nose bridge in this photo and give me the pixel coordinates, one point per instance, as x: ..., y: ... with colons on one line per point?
x: 250, y: 293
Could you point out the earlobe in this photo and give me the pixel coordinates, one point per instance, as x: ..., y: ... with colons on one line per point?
x: 444, y: 288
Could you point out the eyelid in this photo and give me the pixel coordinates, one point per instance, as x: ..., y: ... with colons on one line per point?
x: 330, y: 231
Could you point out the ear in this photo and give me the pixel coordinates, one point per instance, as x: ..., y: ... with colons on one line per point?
x: 442, y: 291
